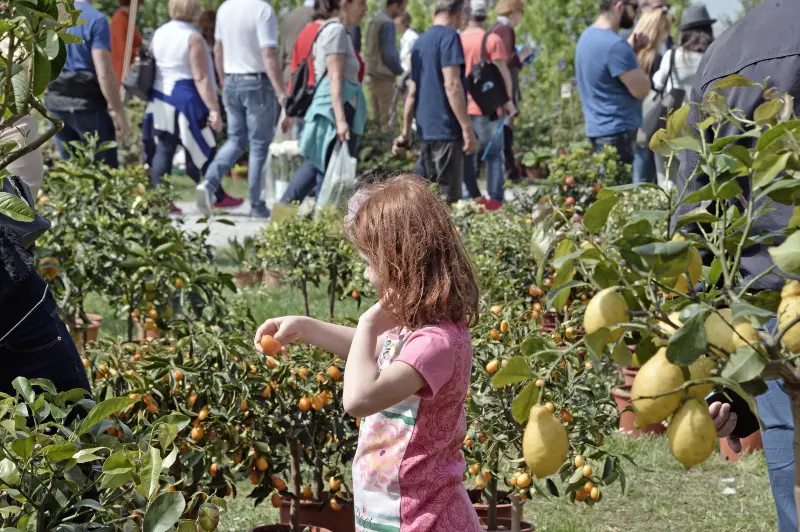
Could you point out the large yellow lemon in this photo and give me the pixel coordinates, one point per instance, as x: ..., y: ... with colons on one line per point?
x: 545, y: 443
x: 606, y: 309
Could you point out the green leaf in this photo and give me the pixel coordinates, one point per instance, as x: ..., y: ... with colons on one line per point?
x: 677, y: 121
x: 22, y: 91
x: 533, y: 344
x: 723, y: 142
x: 734, y: 80
x: 597, y: 214
x: 15, y: 207
x: 62, y: 451
x: 658, y: 143
x: 558, y: 295
x: 697, y: 216
x: 774, y: 134
x: 787, y: 255
x: 516, y: 370
x: 597, y: 341
x: 714, y: 272
x: 57, y: 64
x: 767, y: 111
x: 23, y: 447
x: 150, y: 471
x: 685, y: 143
x: 41, y: 70
x: 767, y: 168
x: 166, y: 248
x: 726, y: 190
x: 164, y: 512
x: 622, y: 355
x: 745, y: 365
x: 9, y: 473
x: 87, y: 455
x: 103, y: 410
x: 794, y: 222
x: 666, y: 250
x: 51, y: 44
x: 117, y: 464
x: 688, y: 342
x: 522, y: 404
x: 23, y: 386
x: 746, y: 310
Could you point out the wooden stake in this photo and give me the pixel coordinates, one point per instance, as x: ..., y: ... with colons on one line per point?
x: 126, y: 64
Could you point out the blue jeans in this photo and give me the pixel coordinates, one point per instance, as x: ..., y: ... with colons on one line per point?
x: 309, y: 178
x: 624, y: 142
x: 161, y: 165
x: 41, y: 348
x: 485, y: 130
x: 644, y: 165
x: 775, y: 411
x: 79, y: 123
x: 251, y: 105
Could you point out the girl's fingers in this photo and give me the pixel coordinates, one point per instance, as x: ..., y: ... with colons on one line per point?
x: 729, y: 425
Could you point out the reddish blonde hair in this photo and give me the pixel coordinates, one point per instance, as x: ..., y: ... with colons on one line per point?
x: 406, y: 233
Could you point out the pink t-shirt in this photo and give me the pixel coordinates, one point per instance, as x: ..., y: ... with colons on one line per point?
x: 495, y: 51
x: 407, y: 473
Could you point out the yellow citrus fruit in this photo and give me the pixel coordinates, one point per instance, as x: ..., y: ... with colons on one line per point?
x: 695, y: 269
x: 334, y: 373
x: 691, y: 433
x: 606, y: 309
x: 701, y: 368
x: 505, y: 327
x: 278, y: 483
x: 276, y: 500
x: 261, y: 463
x: 587, y: 471
x: 308, y: 493
x: 334, y: 483
x: 656, y: 377
x: 304, y: 404
x: 497, y: 309
x: 579, y: 461
x: 474, y: 469
x: 544, y: 444
x: 523, y: 480
x: 595, y: 493
x: 494, y: 334
x: 479, y: 482
x: 788, y: 310
x: 270, y: 345
x: 492, y: 366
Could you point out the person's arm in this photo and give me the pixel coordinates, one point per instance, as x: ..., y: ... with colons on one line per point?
x: 367, y: 390
x: 456, y: 97
x: 660, y: 77
x: 335, y: 65
x: 388, y: 44
x: 499, y: 56
x: 408, y: 109
x: 109, y: 86
x: 267, y: 33
x: 218, y: 64
x: 198, y: 61
x: 622, y: 64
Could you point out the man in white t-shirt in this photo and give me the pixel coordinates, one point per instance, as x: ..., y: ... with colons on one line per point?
x: 246, y: 56
x: 408, y: 37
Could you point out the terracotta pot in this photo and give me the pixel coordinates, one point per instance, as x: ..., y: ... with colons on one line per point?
x: 628, y: 374
x: 750, y: 445
x: 622, y: 395
x: 505, y: 525
x: 247, y: 278
x: 549, y: 322
x: 271, y: 279
x: 503, y: 509
x: 287, y: 528
x: 314, y: 513
x: 92, y: 330
x: 534, y: 172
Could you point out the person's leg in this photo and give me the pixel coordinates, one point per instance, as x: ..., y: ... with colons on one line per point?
x: 107, y: 133
x: 236, y: 143
x: 67, y: 134
x: 419, y: 166
x: 495, y: 166
x: 162, y: 159
x: 775, y: 411
x: 447, y: 158
x: 301, y: 184
x: 385, y: 98
x: 644, y: 165
x: 470, y: 188
x: 260, y: 104
x: 624, y: 143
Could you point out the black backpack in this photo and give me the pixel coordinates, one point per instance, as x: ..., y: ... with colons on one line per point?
x: 302, y: 94
x: 485, y: 83
x: 140, y: 78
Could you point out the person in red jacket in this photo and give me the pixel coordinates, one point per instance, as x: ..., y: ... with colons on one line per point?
x: 119, y: 34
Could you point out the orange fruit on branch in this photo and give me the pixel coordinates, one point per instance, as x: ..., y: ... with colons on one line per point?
x: 197, y: 434
x: 334, y: 483
x: 261, y: 463
x: 304, y: 404
x: 278, y: 483
x: 275, y: 500
x: 334, y: 373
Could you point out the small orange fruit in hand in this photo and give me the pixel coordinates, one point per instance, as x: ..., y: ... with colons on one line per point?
x: 304, y: 404
x: 492, y: 366
x: 276, y: 500
x: 334, y: 373
x: 334, y: 483
x: 262, y: 464
x: 270, y: 345
x: 278, y: 483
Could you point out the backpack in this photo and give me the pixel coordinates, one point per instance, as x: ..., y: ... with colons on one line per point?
x: 485, y: 83
x: 302, y: 94
x: 140, y: 78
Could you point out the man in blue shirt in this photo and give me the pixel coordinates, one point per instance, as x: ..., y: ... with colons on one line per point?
x: 87, y: 86
x: 610, y: 82
x: 437, y: 75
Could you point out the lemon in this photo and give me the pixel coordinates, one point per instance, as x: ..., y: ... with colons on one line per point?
x: 744, y: 334
x: 656, y: 377
x: 719, y: 331
x: 701, y: 369
x: 545, y: 443
x: 606, y: 309
x: 691, y: 433
x: 788, y: 310
x: 695, y: 270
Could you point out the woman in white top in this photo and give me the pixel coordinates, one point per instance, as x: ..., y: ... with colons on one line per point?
x: 408, y: 39
x: 183, y: 108
x: 697, y: 34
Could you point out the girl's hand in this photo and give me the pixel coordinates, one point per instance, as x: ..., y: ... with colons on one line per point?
x: 342, y: 131
x: 215, y: 121
x: 285, y: 330
x: 378, y: 320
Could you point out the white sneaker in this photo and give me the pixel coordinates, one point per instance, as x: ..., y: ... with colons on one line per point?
x: 203, y: 199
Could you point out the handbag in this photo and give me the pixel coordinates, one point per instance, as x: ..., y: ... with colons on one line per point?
x: 340, y: 178
x: 26, y: 232
x: 657, y: 105
x: 485, y: 84
x: 141, y: 77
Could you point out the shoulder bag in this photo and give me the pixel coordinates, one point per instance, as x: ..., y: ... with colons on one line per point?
x: 658, y: 104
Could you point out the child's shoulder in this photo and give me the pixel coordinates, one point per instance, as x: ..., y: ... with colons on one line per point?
x: 444, y: 335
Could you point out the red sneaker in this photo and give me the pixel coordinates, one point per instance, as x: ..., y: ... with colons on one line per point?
x: 481, y: 201
x: 493, y: 205
x: 228, y: 202
x: 174, y: 209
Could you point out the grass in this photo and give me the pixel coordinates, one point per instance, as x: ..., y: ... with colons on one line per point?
x: 660, y: 495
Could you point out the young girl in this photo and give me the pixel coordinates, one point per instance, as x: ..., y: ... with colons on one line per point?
x: 408, y: 361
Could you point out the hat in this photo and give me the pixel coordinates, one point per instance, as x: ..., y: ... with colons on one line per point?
x: 479, y: 8
x: 696, y: 17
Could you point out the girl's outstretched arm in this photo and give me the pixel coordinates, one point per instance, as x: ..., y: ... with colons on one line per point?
x: 331, y: 337
x: 366, y: 390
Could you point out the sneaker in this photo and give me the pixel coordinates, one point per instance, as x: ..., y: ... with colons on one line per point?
x: 228, y: 202
x: 481, y: 201
x: 260, y: 212
x: 203, y: 198
x: 493, y: 205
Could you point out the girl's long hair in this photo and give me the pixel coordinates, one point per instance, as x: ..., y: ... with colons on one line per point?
x: 405, y: 232
x: 655, y: 25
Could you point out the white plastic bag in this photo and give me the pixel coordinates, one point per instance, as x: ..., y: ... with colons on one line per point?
x: 340, y: 177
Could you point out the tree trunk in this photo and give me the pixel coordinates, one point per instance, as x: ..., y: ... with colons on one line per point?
x: 332, y: 291
x: 296, y: 489
x: 491, y: 522
x: 516, y: 513
x: 304, y: 290
x: 319, y: 486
